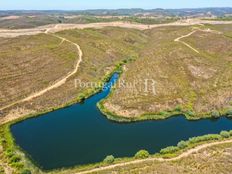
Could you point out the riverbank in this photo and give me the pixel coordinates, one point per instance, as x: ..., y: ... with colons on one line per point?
x: 112, y: 116
x: 172, y: 153
x: 162, y: 115
x: 18, y: 159
x: 176, y: 91
x: 12, y: 148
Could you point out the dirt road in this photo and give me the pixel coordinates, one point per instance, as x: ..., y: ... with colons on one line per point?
x: 60, y: 27
x: 56, y: 84
x: 194, y: 31
x: 184, y: 154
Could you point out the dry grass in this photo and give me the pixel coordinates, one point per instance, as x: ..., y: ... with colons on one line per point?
x: 213, y: 160
x: 31, y: 63
x: 102, y: 49
x: 185, y: 80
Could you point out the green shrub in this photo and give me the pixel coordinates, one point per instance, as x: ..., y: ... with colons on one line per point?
x: 204, y: 138
x: 2, y: 170
x: 142, y: 154
x: 109, y: 159
x: 229, y: 112
x: 182, y: 144
x: 26, y: 171
x: 9, y: 153
x: 3, y: 141
x: 230, y: 132
x: 190, y: 113
x: 15, y: 159
x: 225, y: 134
x: 178, y: 108
x: 215, y: 114
x: 170, y: 149
x: 81, y: 97
x: 163, y: 113
x: 18, y: 165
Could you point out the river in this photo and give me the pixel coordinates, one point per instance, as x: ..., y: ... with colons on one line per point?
x: 81, y: 134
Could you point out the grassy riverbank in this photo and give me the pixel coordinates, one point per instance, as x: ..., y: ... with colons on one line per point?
x: 14, y: 155
x: 166, y: 153
x: 196, y: 84
x: 190, y: 115
x: 18, y: 159
x: 173, y: 65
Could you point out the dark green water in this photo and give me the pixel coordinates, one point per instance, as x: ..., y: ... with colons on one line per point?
x: 80, y: 134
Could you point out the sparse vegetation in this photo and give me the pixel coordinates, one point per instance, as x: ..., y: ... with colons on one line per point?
x: 175, y: 67
x: 2, y: 170
x: 168, y: 150
x: 186, y: 82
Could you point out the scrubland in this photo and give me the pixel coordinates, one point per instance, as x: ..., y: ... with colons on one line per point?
x: 186, y: 82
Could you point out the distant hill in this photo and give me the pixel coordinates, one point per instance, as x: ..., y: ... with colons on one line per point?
x: 133, y: 11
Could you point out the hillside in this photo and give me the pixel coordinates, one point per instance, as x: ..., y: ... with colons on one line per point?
x: 190, y: 66
x: 192, y: 76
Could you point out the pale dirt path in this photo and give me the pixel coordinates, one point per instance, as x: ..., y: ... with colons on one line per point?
x: 184, y: 154
x: 56, y: 84
x: 60, y: 27
x: 181, y: 37
x: 189, y: 34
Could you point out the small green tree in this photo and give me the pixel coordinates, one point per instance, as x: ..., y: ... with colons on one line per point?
x: 215, y: 114
x: 15, y: 159
x: 230, y: 132
x: 178, y: 108
x: 109, y: 159
x: 142, y: 154
x: 182, y: 144
x: 229, y: 112
x: 225, y: 134
x: 190, y: 113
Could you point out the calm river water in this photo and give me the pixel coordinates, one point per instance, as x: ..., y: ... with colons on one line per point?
x: 80, y: 134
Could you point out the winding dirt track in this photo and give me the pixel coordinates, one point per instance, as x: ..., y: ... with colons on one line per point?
x: 184, y: 154
x: 178, y: 40
x: 56, y: 84
x: 189, y: 34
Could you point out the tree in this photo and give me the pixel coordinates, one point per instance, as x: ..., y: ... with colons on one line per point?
x: 225, y: 134
x: 142, y: 154
x: 229, y: 112
x: 109, y: 159
x: 215, y: 114
x: 182, y: 144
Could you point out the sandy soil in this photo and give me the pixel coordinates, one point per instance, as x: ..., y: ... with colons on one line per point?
x: 9, y: 17
x: 58, y: 83
x: 59, y: 27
